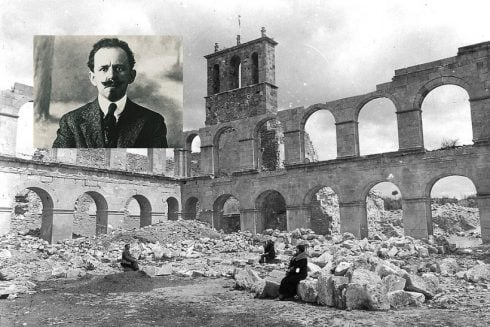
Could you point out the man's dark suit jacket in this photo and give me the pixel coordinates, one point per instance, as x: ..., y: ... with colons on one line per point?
x: 137, y: 126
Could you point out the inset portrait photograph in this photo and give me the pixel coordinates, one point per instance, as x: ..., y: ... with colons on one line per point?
x: 108, y: 91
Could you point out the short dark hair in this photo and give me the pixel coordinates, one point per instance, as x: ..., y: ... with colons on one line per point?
x: 110, y: 43
x: 301, y: 247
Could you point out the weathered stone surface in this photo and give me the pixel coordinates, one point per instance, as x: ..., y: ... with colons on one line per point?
x: 324, y: 297
x: 342, y: 268
x: 307, y: 290
x: 266, y: 289
x: 245, y: 278
x: 449, y: 266
x: 385, y: 268
x: 313, y: 270
x: 393, y: 283
x: 419, y: 285
x: 402, y: 298
x: 479, y: 273
x: 365, y: 291
x: 323, y: 259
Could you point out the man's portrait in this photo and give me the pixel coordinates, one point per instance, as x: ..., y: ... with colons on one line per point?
x: 108, y: 91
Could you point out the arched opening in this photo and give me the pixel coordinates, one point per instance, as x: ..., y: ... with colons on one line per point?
x: 320, y: 136
x: 194, y: 158
x: 378, y: 129
x: 454, y: 211
x: 271, y: 207
x: 24, y: 146
x: 137, y: 160
x: 384, y: 215
x: 90, y: 215
x: 255, y: 68
x: 235, y: 73
x: 172, y: 209
x: 227, y: 155
x: 192, y: 209
x: 446, y: 118
x: 137, y: 212
x: 33, y: 213
x: 324, y: 210
x: 216, y: 79
x: 270, y: 145
x: 226, y: 210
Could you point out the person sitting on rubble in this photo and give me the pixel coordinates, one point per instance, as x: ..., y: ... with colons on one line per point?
x: 269, y: 252
x: 128, y: 261
x: 297, y: 271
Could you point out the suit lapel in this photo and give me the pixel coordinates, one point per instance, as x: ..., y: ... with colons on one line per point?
x: 91, y: 126
x: 129, y: 125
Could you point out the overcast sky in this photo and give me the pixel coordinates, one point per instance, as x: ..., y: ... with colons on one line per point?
x: 327, y: 49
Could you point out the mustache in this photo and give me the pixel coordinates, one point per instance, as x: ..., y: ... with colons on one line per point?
x: 111, y: 83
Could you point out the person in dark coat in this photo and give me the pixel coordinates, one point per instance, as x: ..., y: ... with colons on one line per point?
x: 269, y: 252
x: 128, y: 261
x: 297, y: 271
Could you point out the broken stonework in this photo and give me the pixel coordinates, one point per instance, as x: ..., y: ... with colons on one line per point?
x: 449, y: 266
x: 245, y: 278
x: 365, y: 291
x: 402, y: 298
x: 307, y: 290
x: 393, y: 283
x: 479, y: 273
x: 419, y: 284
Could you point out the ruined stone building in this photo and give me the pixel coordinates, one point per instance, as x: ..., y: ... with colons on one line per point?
x: 256, y: 168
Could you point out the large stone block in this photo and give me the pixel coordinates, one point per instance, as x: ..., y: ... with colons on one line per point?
x: 307, y: 290
x: 366, y: 292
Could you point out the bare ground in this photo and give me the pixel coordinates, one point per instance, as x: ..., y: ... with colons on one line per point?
x: 131, y: 299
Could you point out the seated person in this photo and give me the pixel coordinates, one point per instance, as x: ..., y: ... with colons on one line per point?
x: 297, y: 271
x: 269, y: 252
x: 128, y: 261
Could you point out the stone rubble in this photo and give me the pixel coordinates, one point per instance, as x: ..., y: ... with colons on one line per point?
x: 344, y: 272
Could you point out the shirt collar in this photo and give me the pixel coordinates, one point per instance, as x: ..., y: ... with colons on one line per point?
x: 104, y: 105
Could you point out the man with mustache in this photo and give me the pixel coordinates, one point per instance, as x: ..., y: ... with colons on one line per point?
x: 112, y: 119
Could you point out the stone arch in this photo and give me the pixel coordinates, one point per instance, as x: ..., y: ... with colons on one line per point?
x: 46, y: 229
x: 269, y: 144
x: 216, y: 79
x: 440, y: 81
x: 452, y: 214
x: 311, y: 147
x: 383, y: 138
x: 226, y: 217
x: 192, y: 209
x: 235, y: 72
x: 373, y: 96
x: 367, y: 223
x: 172, y: 208
x: 144, y: 217
x: 87, y: 224
x: 271, y: 211
x: 226, y: 151
x: 446, y: 117
x: 193, y: 154
x: 323, y: 207
x: 255, y: 67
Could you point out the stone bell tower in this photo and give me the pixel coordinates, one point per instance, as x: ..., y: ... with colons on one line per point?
x: 241, y: 81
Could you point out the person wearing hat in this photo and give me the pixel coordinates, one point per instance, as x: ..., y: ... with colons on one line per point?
x: 297, y: 271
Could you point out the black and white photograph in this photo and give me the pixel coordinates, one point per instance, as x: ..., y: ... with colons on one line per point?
x: 77, y: 77
x: 245, y: 163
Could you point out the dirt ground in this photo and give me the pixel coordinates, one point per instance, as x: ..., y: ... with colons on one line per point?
x: 133, y: 299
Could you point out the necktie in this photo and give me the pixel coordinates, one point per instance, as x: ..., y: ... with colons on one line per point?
x: 110, y: 131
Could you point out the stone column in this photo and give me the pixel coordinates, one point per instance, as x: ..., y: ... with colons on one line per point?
x: 207, y: 160
x: 417, y: 217
x: 298, y: 217
x: 294, y: 147
x: 483, y: 201
x: 248, y: 220
x: 5, y: 216
x: 247, y: 154
x: 116, y: 159
x: 157, y: 159
x: 61, y: 224
x: 179, y: 158
x: 480, y: 119
x: 347, y: 139
x: 353, y: 218
x: 410, y: 135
